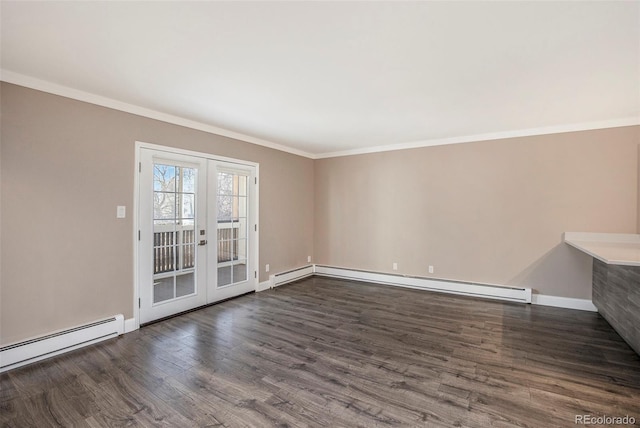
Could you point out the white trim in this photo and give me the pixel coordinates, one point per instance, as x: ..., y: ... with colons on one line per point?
x: 178, y: 151
x: 136, y: 231
x: 487, y: 291
x: 256, y: 217
x: 58, y: 342
x: 264, y: 285
x: 629, y: 238
x: 575, y: 127
x: 563, y: 302
x: 292, y: 275
x: 65, y: 91
x: 130, y: 325
x: 275, y: 280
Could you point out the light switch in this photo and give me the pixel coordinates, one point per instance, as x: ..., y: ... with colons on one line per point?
x: 121, y: 211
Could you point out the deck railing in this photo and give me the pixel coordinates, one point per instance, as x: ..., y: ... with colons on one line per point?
x: 175, y: 250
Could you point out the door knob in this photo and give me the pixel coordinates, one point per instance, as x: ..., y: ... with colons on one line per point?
x: 203, y: 242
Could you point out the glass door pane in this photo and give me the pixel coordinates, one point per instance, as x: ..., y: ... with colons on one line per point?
x: 197, y: 232
x: 233, y: 228
x: 174, y: 231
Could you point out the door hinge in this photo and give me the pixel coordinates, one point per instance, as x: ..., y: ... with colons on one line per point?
x: 256, y: 178
x: 255, y: 227
x: 138, y: 235
x: 255, y: 273
x: 139, y: 303
x: 139, y: 166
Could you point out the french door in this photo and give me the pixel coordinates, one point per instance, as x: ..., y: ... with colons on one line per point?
x: 197, y: 232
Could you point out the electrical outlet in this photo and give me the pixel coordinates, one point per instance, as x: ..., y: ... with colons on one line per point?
x: 430, y: 269
x: 395, y: 266
x: 266, y: 268
x: 308, y: 259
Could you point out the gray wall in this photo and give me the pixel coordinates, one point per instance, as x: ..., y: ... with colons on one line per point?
x: 65, y: 166
x: 491, y: 211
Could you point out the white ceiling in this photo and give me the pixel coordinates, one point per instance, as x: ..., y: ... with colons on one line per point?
x: 325, y: 77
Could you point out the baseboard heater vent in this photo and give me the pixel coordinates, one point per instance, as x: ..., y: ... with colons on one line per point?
x: 291, y: 275
x: 487, y: 291
x: 39, y: 348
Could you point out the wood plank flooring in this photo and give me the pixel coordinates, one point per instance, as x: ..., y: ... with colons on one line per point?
x: 325, y: 352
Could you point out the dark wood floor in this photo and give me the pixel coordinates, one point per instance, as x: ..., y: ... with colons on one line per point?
x: 324, y: 352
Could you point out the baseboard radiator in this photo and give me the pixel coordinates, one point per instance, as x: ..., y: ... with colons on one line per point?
x: 487, y: 291
x: 291, y: 275
x: 36, y: 349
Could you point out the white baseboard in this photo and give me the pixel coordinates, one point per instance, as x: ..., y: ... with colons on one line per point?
x: 563, y: 302
x: 130, y: 325
x: 292, y: 275
x: 55, y: 343
x: 29, y: 351
x: 285, y: 277
x: 264, y: 285
x: 487, y: 291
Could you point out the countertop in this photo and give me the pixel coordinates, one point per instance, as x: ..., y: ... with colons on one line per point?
x: 611, y: 248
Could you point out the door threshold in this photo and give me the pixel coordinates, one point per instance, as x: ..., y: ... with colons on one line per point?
x: 194, y: 309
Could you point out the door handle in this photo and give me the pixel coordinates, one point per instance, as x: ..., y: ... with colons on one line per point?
x: 203, y: 242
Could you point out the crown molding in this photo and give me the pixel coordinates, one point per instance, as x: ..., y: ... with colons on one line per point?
x: 64, y: 91
x: 67, y: 92
x: 586, y: 126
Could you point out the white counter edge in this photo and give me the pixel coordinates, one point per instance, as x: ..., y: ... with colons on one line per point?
x: 615, y: 238
x: 581, y: 241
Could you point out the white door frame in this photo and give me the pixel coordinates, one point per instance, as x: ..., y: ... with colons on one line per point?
x: 166, y: 307
x: 136, y: 221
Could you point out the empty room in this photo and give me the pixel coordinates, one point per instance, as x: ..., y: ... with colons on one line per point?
x: 305, y: 214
